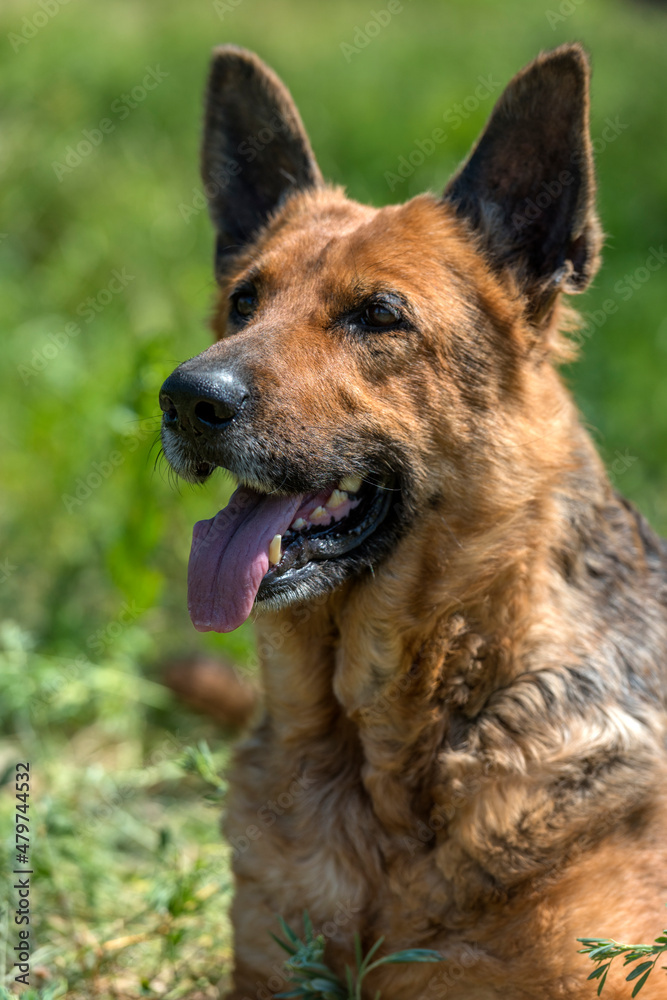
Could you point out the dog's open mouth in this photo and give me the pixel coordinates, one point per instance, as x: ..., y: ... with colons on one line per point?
x: 263, y: 546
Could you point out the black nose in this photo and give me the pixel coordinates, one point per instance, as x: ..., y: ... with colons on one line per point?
x: 202, y: 401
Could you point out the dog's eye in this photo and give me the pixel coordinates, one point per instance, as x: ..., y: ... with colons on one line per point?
x: 380, y: 316
x: 243, y: 302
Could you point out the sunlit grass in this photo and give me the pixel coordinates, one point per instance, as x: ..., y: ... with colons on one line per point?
x: 132, y: 883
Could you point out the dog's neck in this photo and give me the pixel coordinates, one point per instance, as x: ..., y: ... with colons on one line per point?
x: 410, y: 692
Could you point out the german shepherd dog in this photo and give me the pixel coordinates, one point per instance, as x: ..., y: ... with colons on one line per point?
x: 463, y: 635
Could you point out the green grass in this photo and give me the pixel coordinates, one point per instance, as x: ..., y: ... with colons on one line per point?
x: 131, y: 881
x: 95, y: 538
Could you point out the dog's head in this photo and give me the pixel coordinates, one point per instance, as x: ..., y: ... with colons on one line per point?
x: 371, y: 364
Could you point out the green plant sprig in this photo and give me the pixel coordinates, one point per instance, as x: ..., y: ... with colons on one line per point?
x: 313, y: 980
x: 605, y: 951
x: 199, y: 760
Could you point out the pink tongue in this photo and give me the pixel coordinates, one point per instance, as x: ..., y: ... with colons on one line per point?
x: 230, y: 555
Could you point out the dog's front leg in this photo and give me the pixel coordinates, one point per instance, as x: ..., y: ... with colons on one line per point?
x: 259, y: 971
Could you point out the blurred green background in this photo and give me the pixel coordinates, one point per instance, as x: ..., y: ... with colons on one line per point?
x: 99, y: 176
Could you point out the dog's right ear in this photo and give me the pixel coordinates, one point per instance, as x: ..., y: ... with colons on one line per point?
x: 255, y: 148
x: 528, y: 187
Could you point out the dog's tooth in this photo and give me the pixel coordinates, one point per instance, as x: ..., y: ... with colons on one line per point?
x: 336, y: 500
x: 318, y: 514
x: 275, y: 550
x: 299, y: 524
x: 350, y: 484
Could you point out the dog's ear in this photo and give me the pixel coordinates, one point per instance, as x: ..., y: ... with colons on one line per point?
x: 528, y: 186
x: 255, y: 148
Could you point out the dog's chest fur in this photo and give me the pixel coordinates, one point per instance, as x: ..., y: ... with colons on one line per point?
x: 406, y: 782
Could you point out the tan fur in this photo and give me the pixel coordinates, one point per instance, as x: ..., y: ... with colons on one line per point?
x: 468, y: 742
x: 471, y: 603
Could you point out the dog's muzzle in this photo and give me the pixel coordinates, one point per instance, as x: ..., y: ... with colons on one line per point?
x: 286, y: 533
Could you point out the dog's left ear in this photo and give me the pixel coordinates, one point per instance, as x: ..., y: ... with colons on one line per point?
x: 255, y: 148
x: 528, y: 186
